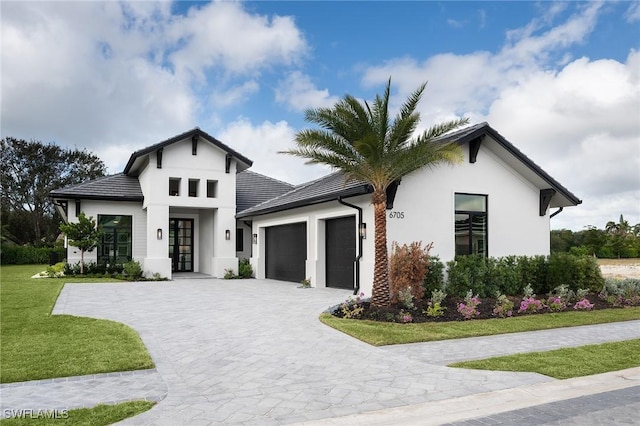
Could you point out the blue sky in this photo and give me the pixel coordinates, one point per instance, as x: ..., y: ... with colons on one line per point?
x: 560, y: 80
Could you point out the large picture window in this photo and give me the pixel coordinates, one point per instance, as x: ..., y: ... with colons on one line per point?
x: 471, y: 224
x: 115, y: 244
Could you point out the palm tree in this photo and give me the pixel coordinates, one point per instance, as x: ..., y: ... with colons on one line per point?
x: 365, y: 144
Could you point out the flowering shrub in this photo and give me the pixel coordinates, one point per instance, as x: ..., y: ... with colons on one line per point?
x: 469, y: 309
x: 503, y: 307
x: 583, y: 305
x: 530, y: 305
x: 405, y: 317
x: 556, y: 304
x: 353, y: 308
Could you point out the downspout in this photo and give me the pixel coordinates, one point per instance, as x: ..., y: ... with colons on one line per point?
x: 360, y: 238
x: 557, y: 212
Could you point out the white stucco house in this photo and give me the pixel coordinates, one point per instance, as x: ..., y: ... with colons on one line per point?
x: 189, y: 204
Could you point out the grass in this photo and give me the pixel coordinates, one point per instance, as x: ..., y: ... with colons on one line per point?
x: 382, y: 333
x: 37, y: 345
x: 568, y: 362
x: 96, y: 416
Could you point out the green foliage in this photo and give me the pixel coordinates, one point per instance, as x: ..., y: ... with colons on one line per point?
x: 434, y: 309
x: 56, y: 271
x: 508, y: 275
x: 30, y: 171
x: 434, y: 280
x: 83, y: 234
x: 503, y: 307
x: 25, y: 255
x: 133, y: 270
x: 244, y: 268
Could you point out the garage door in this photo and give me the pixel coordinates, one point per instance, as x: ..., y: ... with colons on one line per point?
x: 286, y: 252
x: 340, y: 251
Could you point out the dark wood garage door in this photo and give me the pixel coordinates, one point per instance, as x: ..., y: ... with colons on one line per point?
x: 286, y: 252
x: 340, y: 251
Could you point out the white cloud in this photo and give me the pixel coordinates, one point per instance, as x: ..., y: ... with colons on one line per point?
x: 261, y: 143
x: 234, y: 95
x: 578, y: 119
x: 633, y: 13
x: 298, y: 92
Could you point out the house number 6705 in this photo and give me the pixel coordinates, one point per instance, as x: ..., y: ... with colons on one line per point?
x: 396, y: 215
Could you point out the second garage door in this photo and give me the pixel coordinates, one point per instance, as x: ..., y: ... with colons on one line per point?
x: 340, y: 251
x: 286, y: 252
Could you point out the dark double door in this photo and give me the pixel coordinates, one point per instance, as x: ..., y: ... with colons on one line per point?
x: 181, y: 245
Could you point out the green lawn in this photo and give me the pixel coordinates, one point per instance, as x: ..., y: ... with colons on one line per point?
x: 37, y: 345
x: 568, y: 362
x: 382, y: 333
x: 97, y: 416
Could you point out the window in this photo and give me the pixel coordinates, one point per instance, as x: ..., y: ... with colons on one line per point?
x: 193, y: 187
x: 239, y: 239
x: 174, y: 186
x: 471, y: 224
x: 211, y: 188
x: 115, y: 244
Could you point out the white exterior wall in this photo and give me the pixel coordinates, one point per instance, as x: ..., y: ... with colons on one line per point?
x: 212, y: 216
x: 426, y: 200
x: 93, y: 208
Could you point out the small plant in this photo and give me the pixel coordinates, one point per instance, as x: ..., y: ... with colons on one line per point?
x: 306, y: 283
x: 527, y: 291
x: 530, y: 305
x: 228, y: 274
x: 434, y: 308
x: 244, y: 269
x: 57, y: 270
x: 581, y: 293
x: 353, y: 308
x: 408, y: 266
x: 133, y: 270
x: 565, y: 294
x: 405, y: 297
x: 469, y: 309
x: 157, y: 277
x: 583, y: 305
x: 503, y: 306
x: 405, y: 317
x: 556, y: 304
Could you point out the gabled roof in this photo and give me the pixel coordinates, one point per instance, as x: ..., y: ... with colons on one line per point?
x: 327, y: 188
x: 253, y: 188
x: 119, y: 187
x: 470, y: 133
x: 333, y: 186
x: 129, y: 168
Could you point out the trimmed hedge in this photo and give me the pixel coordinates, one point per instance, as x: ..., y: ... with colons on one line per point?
x: 509, y: 275
x: 23, y: 255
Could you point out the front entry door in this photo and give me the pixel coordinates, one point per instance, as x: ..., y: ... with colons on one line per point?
x: 181, y: 245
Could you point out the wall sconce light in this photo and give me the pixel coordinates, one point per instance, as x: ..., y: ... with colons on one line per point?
x: 255, y: 238
x: 159, y: 233
x: 362, y: 230
x: 227, y: 235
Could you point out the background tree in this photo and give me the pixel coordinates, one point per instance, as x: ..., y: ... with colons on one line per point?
x: 365, y: 144
x: 84, y: 234
x: 30, y: 170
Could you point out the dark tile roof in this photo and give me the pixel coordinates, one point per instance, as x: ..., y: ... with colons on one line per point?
x: 327, y: 188
x: 333, y: 186
x: 186, y: 135
x: 119, y: 187
x: 253, y: 188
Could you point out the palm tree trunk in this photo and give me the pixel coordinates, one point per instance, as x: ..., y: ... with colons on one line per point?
x: 380, y: 294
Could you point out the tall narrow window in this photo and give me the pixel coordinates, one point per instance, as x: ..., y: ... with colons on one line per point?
x: 471, y: 224
x: 115, y: 243
x: 211, y: 188
x: 193, y: 187
x: 174, y: 186
x: 239, y: 239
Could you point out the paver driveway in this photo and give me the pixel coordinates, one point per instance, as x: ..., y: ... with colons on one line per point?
x: 254, y: 352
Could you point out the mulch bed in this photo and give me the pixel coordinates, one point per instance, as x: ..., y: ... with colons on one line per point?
x: 393, y: 313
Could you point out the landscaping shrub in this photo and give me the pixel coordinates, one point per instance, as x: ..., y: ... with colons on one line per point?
x: 407, y: 269
x: 434, y: 280
x: 244, y: 268
x: 133, y: 270
x: 24, y: 255
x: 508, y: 275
